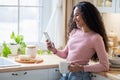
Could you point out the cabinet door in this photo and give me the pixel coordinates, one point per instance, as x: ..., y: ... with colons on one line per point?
x: 105, y: 5
x: 7, y: 76
x: 25, y: 75
x: 36, y: 75
x: 54, y: 74
x: 98, y: 77
x: 12, y: 76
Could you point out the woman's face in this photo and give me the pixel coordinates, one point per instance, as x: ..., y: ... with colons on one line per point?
x: 78, y: 18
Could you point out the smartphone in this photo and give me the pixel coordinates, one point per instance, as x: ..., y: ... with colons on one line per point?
x: 47, y: 36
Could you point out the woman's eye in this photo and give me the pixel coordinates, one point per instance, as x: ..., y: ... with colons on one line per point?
x: 76, y: 15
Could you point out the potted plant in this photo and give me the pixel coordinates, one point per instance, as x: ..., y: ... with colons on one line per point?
x: 18, y: 39
x: 5, y: 50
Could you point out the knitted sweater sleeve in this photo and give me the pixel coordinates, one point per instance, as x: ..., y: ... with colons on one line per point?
x: 64, y: 53
x: 103, y: 64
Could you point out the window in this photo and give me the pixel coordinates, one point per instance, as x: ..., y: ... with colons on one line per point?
x: 26, y: 17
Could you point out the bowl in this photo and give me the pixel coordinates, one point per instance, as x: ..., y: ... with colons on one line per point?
x: 114, y: 60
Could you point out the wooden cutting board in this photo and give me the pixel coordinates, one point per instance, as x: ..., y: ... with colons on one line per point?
x: 32, y: 60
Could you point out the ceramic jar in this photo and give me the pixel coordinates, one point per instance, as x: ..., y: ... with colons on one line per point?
x: 31, y: 50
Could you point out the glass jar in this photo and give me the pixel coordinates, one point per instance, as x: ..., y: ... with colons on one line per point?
x: 31, y: 50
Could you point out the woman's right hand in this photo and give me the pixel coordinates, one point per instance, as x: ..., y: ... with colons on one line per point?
x: 51, y: 46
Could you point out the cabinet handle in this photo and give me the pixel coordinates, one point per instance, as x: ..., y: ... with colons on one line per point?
x: 25, y: 73
x: 56, y: 70
x: 14, y: 74
x: 92, y: 75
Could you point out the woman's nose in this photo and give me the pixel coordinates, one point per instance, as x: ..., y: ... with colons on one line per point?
x: 74, y: 19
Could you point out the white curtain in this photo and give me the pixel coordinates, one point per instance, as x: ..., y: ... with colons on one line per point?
x: 55, y: 26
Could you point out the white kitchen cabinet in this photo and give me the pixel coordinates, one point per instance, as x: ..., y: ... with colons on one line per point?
x: 54, y: 74
x: 42, y: 74
x: 85, y: 0
x: 98, y: 77
x: 112, y: 6
x: 25, y: 75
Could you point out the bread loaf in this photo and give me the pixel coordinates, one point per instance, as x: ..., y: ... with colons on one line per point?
x: 24, y: 57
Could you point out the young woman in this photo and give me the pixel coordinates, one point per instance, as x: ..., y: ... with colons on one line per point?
x: 87, y: 40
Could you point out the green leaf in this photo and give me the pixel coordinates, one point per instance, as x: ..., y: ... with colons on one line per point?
x: 6, y: 50
x: 48, y: 51
x: 40, y: 52
x: 12, y: 36
x: 19, y: 40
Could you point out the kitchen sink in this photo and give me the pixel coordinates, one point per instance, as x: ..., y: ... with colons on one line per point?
x: 5, y: 62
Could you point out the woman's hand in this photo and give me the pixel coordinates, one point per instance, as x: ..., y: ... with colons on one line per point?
x: 51, y: 46
x: 75, y: 67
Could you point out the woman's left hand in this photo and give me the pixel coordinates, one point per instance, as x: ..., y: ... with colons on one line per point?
x: 75, y: 67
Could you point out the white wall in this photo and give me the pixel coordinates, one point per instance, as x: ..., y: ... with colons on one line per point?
x: 112, y: 22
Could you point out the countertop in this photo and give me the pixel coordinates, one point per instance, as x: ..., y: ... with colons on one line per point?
x: 52, y: 61
x: 49, y: 61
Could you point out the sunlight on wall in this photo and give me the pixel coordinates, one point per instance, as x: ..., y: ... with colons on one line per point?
x: 112, y: 23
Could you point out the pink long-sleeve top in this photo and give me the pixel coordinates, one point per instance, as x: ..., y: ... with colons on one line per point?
x: 81, y: 47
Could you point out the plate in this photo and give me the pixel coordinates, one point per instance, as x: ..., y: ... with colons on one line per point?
x: 115, y: 65
x: 114, y: 60
x: 32, y: 60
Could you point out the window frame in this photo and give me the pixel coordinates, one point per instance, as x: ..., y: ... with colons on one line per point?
x: 18, y: 19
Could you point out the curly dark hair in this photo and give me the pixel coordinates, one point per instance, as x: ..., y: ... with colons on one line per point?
x: 93, y: 19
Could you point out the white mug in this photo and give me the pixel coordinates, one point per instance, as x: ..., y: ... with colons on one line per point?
x: 63, y: 67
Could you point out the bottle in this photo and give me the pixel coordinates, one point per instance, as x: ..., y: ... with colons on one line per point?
x: 118, y: 49
x: 31, y: 50
x: 112, y: 37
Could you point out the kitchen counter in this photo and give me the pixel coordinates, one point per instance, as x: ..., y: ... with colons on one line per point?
x: 49, y: 61
x: 52, y: 61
